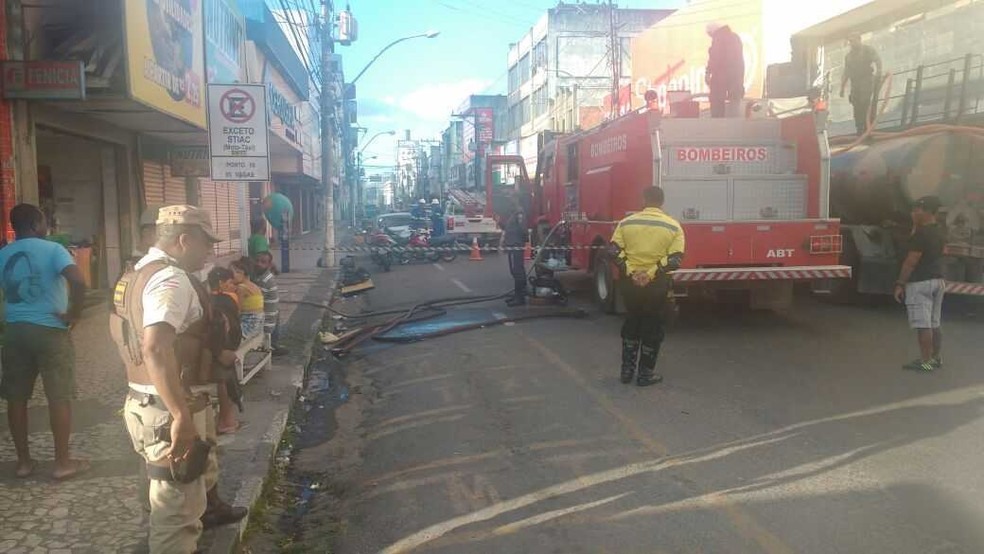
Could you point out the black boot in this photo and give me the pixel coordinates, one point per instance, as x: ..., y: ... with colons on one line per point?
x: 630, y: 358
x: 516, y: 301
x: 647, y: 367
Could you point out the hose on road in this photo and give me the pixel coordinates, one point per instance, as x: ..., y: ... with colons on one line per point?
x: 575, y: 313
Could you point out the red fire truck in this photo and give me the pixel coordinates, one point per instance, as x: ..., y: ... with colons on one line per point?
x: 751, y: 194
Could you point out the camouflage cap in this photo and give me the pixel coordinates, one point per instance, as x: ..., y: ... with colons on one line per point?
x: 188, y: 215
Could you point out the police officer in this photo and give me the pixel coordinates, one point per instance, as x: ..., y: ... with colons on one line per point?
x: 649, y: 244
x: 160, y: 324
x: 514, y: 237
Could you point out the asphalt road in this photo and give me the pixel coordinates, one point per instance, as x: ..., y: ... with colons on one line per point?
x: 771, y: 433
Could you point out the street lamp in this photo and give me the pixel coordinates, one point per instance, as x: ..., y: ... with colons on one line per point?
x: 357, y: 200
x: 428, y: 34
x: 390, y: 133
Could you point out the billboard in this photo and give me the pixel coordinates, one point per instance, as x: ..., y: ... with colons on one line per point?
x: 672, y: 54
x: 484, y: 120
x: 165, y: 49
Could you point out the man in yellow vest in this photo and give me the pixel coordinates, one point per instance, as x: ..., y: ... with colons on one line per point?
x: 650, y: 244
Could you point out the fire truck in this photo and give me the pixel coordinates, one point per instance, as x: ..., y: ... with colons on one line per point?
x: 751, y: 194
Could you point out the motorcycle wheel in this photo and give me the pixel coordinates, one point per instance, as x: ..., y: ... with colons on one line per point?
x: 451, y: 254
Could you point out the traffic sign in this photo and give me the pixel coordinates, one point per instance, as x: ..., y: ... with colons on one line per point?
x: 237, y: 132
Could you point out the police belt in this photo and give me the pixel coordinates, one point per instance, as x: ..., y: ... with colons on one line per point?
x: 196, y: 403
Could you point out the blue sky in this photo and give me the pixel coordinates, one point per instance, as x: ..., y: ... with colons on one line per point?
x: 418, y: 83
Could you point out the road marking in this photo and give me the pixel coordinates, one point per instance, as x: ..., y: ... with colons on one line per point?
x: 740, y: 519
x: 461, y: 285
x: 515, y: 526
x: 439, y: 267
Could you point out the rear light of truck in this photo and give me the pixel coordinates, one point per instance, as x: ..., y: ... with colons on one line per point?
x: 826, y: 244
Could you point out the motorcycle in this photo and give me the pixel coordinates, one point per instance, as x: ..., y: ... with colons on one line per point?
x: 381, y: 250
x: 419, y: 248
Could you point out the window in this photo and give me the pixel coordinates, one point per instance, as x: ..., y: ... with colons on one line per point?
x: 540, y: 55
x: 524, y: 69
x: 514, y: 121
x: 540, y: 101
x: 524, y: 109
x: 513, y: 78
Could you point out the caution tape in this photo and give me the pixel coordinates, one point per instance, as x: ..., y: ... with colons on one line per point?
x: 457, y: 248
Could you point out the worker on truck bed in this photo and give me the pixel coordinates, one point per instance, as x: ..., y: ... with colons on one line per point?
x: 650, y: 244
x: 725, y: 72
x: 920, y: 284
x: 862, y: 67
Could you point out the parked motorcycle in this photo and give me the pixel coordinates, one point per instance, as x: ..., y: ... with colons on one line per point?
x: 419, y: 244
x: 381, y: 250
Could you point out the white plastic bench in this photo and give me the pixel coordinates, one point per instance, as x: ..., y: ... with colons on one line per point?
x: 251, y: 346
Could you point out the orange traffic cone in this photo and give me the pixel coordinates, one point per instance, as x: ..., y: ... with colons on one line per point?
x: 476, y: 252
x: 528, y: 249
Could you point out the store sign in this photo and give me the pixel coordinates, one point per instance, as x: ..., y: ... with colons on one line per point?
x: 165, y: 49
x: 44, y: 80
x: 237, y: 131
x: 189, y: 161
x: 281, y: 107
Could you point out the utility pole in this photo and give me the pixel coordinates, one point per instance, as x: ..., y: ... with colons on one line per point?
x: 327, y: 102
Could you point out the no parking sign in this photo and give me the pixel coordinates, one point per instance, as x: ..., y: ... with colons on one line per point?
x: 237, y: 131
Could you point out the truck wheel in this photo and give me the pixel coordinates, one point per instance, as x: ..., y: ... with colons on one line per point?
x: 604, y: 281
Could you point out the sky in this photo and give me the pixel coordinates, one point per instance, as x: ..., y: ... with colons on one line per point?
x: 418, y: 83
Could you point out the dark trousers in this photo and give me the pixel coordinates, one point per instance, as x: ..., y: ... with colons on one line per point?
x: 645, y: 311
x: 517, y: 269
x: 861, y: 101
x: 724, y: 96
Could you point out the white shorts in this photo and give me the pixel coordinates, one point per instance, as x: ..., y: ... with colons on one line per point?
x: 924, y: 301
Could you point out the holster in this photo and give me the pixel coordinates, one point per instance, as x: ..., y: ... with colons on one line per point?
x: 185, y: 471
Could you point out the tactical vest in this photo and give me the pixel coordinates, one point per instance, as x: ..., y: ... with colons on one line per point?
x: 192, y: 347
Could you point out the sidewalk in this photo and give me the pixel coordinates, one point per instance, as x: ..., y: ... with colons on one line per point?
x: 100, y: 512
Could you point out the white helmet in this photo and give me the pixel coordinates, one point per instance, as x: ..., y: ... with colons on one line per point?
x: 435, y: 202
x: 421, y: 201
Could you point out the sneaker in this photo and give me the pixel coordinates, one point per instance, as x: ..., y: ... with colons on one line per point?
x: 937, y: 362
x: 919, y: 365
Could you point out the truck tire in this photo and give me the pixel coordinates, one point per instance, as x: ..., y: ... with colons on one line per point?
x: 604, y: 282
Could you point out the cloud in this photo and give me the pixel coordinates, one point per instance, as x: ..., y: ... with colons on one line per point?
x: 437, y: 101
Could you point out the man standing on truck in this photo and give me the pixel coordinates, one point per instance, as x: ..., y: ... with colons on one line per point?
x: 862, y: 67
x: 921, y: 285
x: 725, y: 72
x: 650, y: 245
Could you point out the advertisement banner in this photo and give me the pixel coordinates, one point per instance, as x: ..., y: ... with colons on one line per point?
x: 484, y: 119
x: 165, y: 48
x: 189, y: 161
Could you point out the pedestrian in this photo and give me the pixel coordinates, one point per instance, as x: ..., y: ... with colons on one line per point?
x: 513, y: 238
x: 228, y: 333
x: 250, y: 298
x: 650, y: 244
x: 43, y: 293
x: 264, y: 278
x: 862, y: 67
x: 160, y: 322
x: 920, y: 285
x: 725, y: 72
x: 258, y: 241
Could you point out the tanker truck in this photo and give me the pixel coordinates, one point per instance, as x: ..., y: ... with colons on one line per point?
x: 872, y: 188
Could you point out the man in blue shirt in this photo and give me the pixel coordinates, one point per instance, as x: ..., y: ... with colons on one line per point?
x: 39, y: 314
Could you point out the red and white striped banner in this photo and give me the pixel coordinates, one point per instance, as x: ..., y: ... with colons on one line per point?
x: 975, y: 289
x: 804, y: 273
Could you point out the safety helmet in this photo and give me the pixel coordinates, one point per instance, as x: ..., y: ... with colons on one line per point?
x: 435, y: 202
x: 421, y: 201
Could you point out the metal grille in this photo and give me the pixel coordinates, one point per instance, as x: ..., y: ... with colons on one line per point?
x: 770, y: 198
x: 697, y: 199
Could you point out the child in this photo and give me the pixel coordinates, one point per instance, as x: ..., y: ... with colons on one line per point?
x: 263, y: 275
x: 227, y: 331
x: 250, y: 298
x: 258, y: 240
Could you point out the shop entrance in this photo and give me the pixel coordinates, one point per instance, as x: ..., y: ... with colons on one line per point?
x: 78, y: 192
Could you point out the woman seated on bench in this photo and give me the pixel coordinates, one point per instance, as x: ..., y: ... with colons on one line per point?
x: 227, y: 330
x: 250, y: 298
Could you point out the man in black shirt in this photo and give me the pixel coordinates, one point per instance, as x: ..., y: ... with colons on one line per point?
x: 725, y: 71
x: 514, y: 235
x: 858, y: 70
x: 921, y: 285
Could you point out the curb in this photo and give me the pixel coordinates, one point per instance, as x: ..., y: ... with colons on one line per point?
x: 228, y: 539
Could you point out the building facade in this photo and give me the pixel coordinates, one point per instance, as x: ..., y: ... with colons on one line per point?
x: 567, y: 55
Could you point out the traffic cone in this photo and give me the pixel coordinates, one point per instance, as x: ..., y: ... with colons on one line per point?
x: 476, y: 252
x: 528, y: 249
